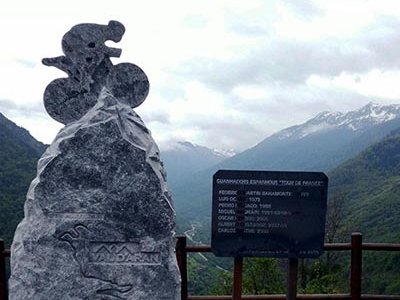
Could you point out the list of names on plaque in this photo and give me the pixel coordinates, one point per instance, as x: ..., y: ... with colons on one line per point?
x: 268, y: 213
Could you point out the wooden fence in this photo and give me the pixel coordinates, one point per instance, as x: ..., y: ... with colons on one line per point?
x: 356, y: 247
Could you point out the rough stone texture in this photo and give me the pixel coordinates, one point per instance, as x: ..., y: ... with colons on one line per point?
x: 99, y: 221
x: 88, y: 65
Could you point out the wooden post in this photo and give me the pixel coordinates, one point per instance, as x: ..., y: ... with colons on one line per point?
x: 3, y: 279
x: 292, y: 279
x: 356, y: 265
x: 237, y: 278
x: 181, y: 257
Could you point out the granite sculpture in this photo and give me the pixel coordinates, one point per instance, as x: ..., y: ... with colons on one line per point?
x: 99, y: 220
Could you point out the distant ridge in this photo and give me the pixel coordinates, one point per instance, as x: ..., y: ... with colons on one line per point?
x: 367, y: 116
x: 182, y: 159
x: 320, y: 144
x: 21, y: 134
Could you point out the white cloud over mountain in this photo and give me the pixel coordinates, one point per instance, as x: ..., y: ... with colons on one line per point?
x: 223, y: 73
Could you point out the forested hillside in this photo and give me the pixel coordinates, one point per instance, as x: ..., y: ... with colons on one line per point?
x: 370, y: 185
x: 19, y: 153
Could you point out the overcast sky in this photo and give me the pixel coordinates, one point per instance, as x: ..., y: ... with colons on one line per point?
x: 223, y: 74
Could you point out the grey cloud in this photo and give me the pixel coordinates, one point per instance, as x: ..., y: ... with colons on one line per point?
x: 282, y: 67
x: 248, y: 29
x: 258, y: 119
x: 7, y: 105
x: 291, y: 62
x: 172, y: 91
x: 382, y: 39
x: 283, y: 108
x: 258, y: 23
x: 304, y: 8
x: 312, y: 101
x: 228, y: 134
x: 300, y: 99
x: 156, y: 116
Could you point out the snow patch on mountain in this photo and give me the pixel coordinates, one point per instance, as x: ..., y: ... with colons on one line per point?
x: 313, y: 128
x: 369, y: 115
x: 185, y: 146
x: 225, y: 152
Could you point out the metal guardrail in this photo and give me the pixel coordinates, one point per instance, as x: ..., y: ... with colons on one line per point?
x: 182, y: 249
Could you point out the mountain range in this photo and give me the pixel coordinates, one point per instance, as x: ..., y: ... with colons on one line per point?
x: 322, y: 142
x: 359, y: 150
x: 319, y: 144
x: 183, y: 159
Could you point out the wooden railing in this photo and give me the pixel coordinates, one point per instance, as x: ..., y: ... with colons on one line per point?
x: 182, y: 249
x: 356, y: 247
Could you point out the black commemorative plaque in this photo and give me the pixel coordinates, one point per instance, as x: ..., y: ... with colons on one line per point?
x: 268, y: 214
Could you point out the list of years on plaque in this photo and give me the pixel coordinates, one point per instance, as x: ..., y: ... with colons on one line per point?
x: 252, y: 211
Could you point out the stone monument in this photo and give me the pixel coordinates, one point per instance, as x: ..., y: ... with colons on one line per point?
x: 99, y: 220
